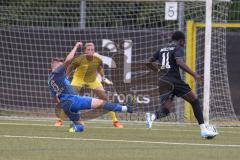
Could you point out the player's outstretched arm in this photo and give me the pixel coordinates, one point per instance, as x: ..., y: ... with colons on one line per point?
x: 184, y: 67
x: 71, y: 55
x: 152, y: 65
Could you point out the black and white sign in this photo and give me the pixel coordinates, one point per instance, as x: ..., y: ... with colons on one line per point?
x: 171, y: 9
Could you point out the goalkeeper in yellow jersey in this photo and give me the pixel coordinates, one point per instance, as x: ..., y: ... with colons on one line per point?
x: 86, y: 68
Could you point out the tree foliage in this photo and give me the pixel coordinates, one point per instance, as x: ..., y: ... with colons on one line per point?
x: 67, y: 13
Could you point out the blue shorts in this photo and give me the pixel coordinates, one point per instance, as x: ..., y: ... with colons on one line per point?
x: 72, y: 104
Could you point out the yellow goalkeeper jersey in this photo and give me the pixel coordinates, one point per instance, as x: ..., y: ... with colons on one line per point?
x: 86, y: 70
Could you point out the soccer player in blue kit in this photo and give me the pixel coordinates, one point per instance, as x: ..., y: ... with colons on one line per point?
x: 170, y: 58
x: 71, y: 103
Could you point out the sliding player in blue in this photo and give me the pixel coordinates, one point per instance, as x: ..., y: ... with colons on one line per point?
x: 71, y: 103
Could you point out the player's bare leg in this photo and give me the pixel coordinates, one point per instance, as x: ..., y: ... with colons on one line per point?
x: 99, y: 103
x: 193, y: 100
x: 101, y: 93
x: 166, y: 108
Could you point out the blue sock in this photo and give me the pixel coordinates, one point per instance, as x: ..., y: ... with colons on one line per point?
x: 113, y: 107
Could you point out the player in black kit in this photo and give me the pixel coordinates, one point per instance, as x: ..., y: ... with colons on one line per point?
x: 170, y: 58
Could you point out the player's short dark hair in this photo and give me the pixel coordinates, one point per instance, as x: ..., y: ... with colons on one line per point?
x: 58, y: 59
x: 178, y: 35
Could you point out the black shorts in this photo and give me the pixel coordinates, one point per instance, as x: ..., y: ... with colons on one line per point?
x: 171, y: 86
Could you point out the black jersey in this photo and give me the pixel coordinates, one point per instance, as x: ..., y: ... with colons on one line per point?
x: 167, y: 56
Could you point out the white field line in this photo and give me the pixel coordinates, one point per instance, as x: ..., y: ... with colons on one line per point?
x: 121, y: 141
x: 104, y: 121
x: 94, y: 121
x: 132, y: 128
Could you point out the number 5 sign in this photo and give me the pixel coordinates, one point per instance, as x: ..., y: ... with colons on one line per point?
x: 171, y: 10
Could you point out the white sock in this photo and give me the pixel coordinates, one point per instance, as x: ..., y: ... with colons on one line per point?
x: 124, y: 108
x: 203, y: 127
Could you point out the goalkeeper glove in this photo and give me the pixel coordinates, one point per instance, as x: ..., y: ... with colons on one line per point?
x: 107, y: 81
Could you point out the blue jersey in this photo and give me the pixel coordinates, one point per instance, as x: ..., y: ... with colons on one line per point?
x: 59, y: 84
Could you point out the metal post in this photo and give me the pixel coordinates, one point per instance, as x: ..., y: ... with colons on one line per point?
x: 207, y: 61
x: 83, y: 14
x: 179, y: 101
x: 181, y: 16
